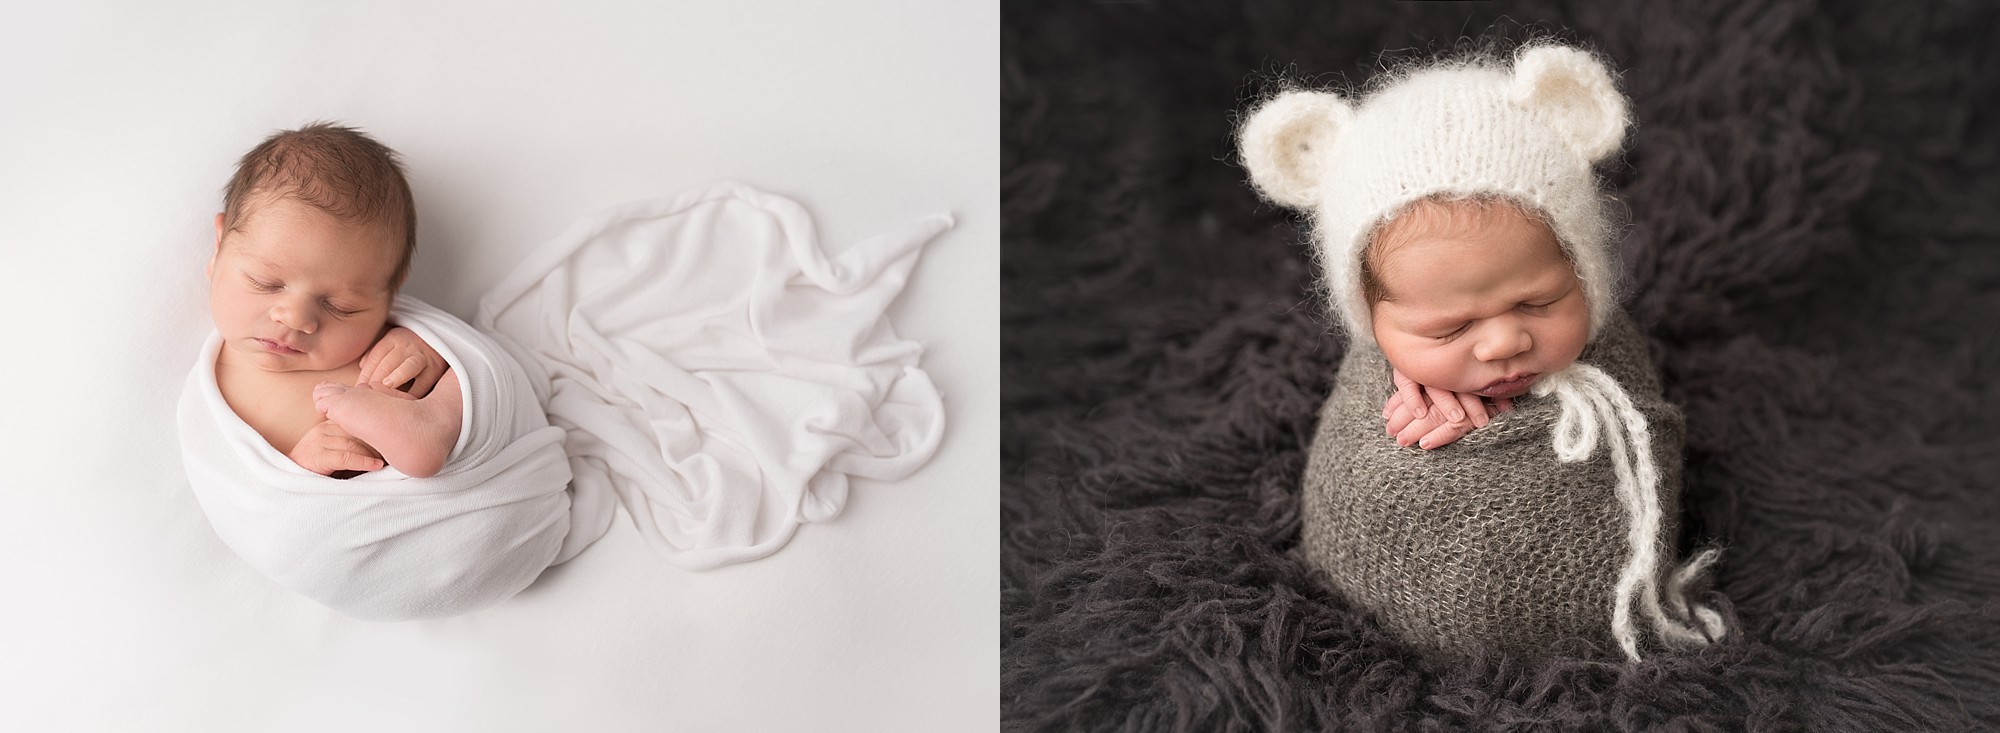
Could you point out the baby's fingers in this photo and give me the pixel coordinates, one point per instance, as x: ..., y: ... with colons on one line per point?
x: 1414, y: 430
x: 346, y: 452
x: 375, y: 372
x: 1444, y: 435
x: 433, y: 373
x: 347, y: 460
x: 1446, y: 402
x: 329, y: 456
x: 354, y: 445
x: 404, y: 371
x: 1410, y: 391
x: 1400, y: 419
x: 375, y: 365
x: 1474, y: 408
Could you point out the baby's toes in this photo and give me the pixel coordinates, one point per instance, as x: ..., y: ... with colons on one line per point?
x: 327, y: 394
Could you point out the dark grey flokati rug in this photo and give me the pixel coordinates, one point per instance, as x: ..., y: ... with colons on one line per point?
x: 1815, y: 245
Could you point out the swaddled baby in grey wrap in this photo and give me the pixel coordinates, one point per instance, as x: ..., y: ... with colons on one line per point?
x: 1466, y: 249
x: 1495, y: 540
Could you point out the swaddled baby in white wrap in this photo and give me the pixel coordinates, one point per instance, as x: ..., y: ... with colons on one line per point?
x: 382, y: 545
x: 696, y: 357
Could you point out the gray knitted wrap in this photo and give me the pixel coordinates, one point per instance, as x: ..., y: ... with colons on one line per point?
x: 1489, y: 541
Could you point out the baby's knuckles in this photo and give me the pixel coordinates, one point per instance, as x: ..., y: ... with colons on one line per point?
x: 1428, y: 429
x: 313, y: 451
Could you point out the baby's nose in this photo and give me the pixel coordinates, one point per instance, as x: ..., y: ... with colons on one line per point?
x: 294, y: 319
x: 1506, y: 345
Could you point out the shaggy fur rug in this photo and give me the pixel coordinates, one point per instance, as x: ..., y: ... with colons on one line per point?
x: 1814, y: 244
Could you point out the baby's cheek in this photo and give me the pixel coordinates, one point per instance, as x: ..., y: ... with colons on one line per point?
x: 1571, y: 338
x: 350, y: 348
x: 1434, y: 365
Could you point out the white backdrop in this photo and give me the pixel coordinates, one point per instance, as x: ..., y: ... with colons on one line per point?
x: 119, y: 124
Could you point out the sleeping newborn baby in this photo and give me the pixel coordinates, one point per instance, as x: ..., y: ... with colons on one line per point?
x: 455, y: 490
x: 474, y: 458
x: 314, y: 240
x: 1530, y: 493
x: 1472, y: 299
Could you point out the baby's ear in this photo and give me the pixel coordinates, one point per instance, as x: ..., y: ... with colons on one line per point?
x: 1571, y: 91
x: 212, y: 256
x: 1286, y: 141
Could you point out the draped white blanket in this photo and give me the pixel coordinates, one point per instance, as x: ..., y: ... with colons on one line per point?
x: 698, y: 359
x: 718, y: 370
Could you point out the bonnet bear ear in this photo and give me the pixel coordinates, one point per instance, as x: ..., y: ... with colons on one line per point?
x: 1571, y: 91
x: 1286, y: 141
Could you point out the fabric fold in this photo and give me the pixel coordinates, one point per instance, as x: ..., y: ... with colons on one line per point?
x: 717, y: 369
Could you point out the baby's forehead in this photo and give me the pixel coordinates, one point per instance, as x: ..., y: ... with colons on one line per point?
x: 1454, y: 216
x: 1463, y: 223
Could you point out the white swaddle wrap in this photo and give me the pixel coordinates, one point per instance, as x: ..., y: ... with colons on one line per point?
x: 383, y: 545
x: 698, y: 358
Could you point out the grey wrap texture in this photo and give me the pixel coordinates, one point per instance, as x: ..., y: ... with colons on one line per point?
x: 1489, y: 541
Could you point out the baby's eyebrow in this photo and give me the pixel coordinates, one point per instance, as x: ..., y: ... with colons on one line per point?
x: 343, y: 291
x: 1436, y: 322
x: 268, y: 265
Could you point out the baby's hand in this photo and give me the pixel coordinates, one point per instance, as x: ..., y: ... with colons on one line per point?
x: 1446, y: 418
x: 326, y: 449
x: 402, y: 357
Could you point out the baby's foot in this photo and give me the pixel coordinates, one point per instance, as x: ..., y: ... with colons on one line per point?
x: 415, y: 436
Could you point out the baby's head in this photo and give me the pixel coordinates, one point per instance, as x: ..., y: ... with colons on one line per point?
x: 315, y: 238
x: 1473, y: 294
x: 1460, y: 191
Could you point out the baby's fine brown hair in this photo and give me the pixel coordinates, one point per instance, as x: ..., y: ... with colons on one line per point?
x: 337, y: 169
x: 1461, y: 212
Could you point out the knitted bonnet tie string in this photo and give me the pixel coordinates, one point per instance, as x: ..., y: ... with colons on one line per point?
x: 1592, y: 402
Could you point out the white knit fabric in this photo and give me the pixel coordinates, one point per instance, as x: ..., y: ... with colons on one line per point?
x: 1530, y: 134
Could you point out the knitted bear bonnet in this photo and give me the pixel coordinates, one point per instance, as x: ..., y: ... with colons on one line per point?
x: 1530, y: 134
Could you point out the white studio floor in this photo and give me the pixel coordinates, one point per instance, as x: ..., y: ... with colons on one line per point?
x: 119, y: 124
